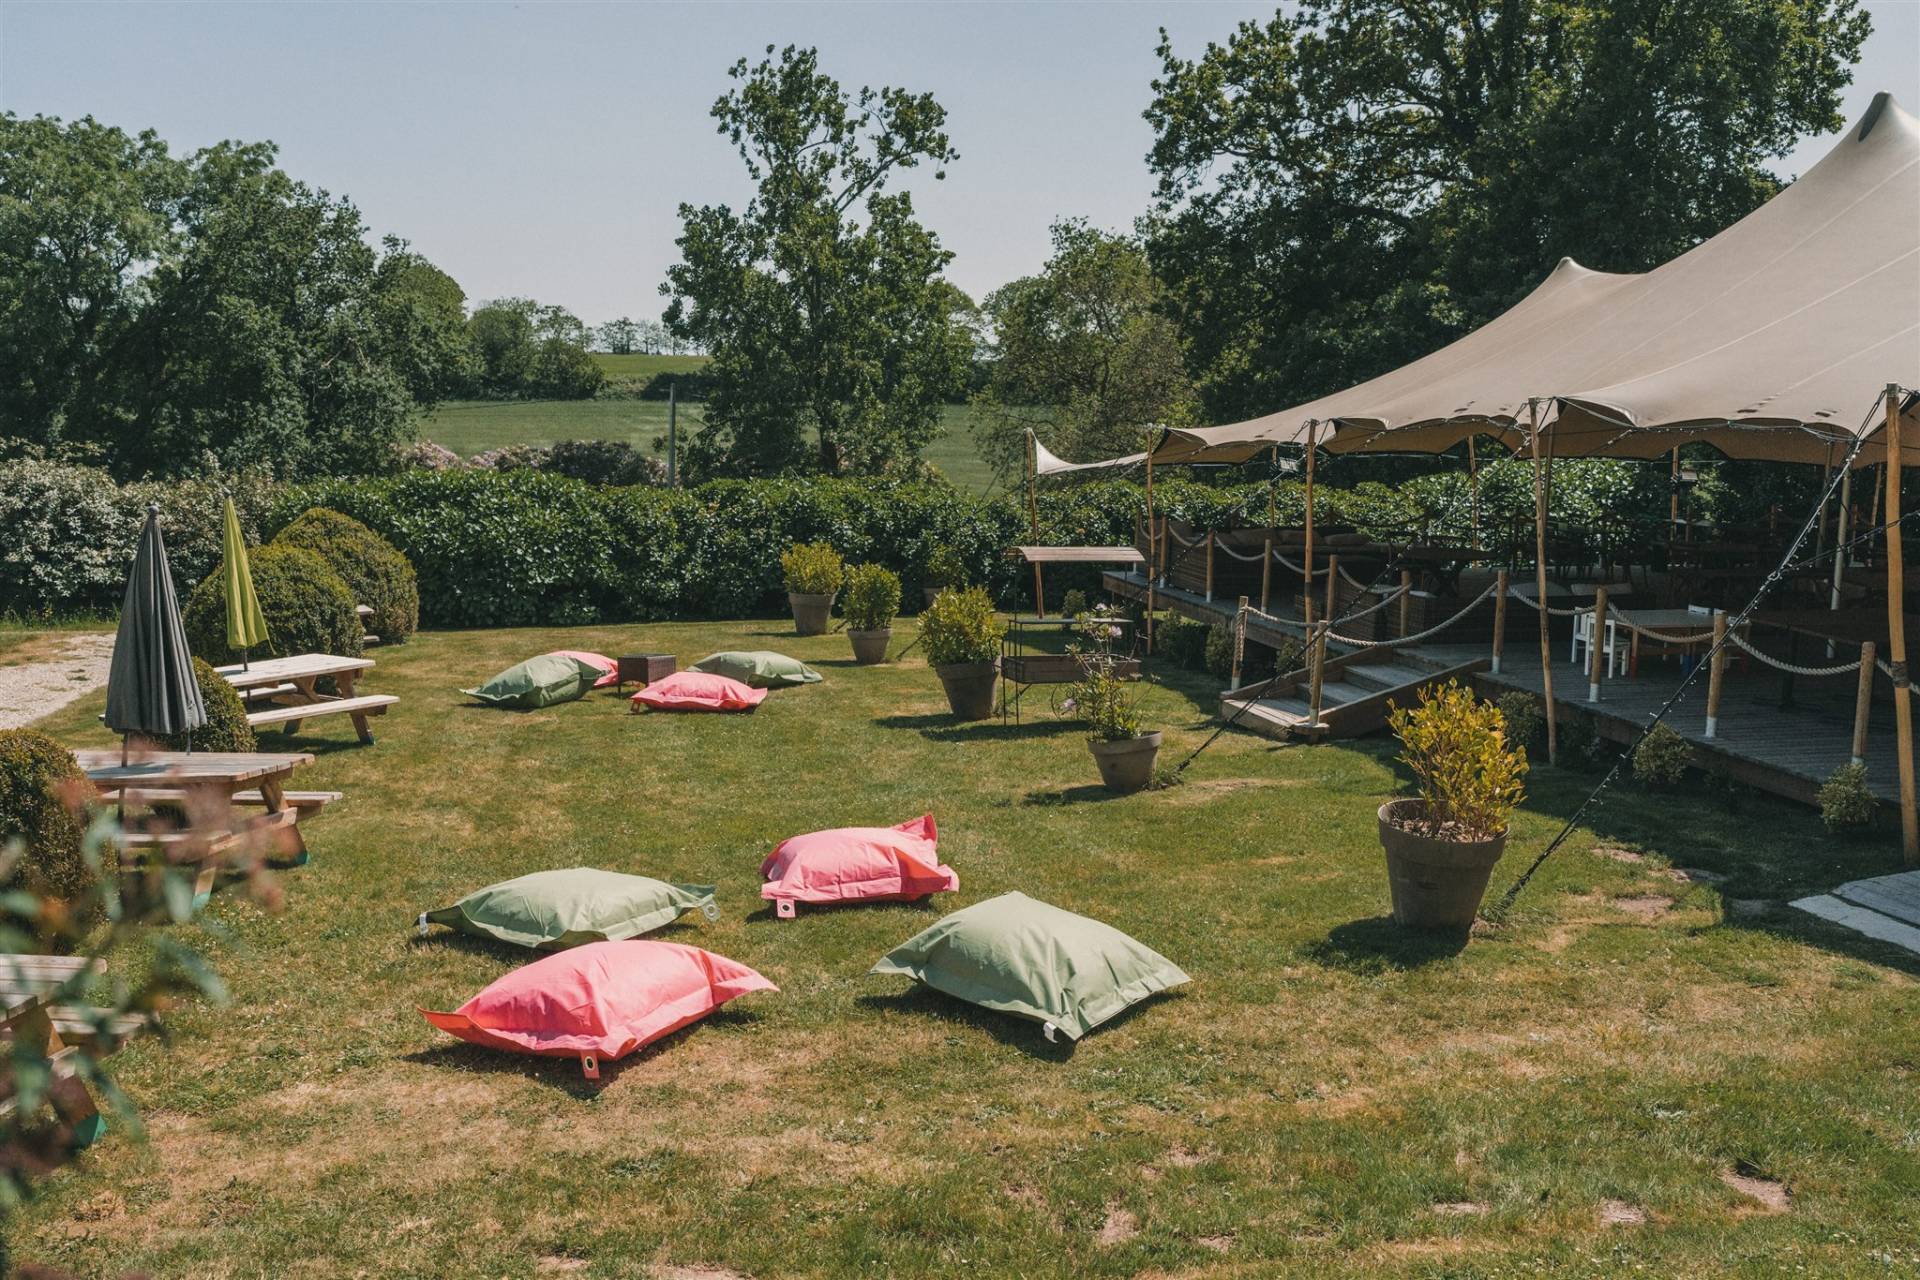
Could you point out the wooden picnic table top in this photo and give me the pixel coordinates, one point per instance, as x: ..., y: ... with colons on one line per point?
x: 184, y: 769
x: 300, y: 666
x: 41, y: 975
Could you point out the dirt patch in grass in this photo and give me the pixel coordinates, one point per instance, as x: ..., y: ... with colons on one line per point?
x: 1770, y: 1196
x: 696, y: 1272
x: 1462, y: 1209
x: 1119, y: 1227
x: 1644, y: 906
x: 1618, y: 1213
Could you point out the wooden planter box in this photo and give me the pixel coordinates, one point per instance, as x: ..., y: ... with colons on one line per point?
x: 1056, y: 668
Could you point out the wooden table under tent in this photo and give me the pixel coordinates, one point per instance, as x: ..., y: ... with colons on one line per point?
x: 1789, y: 338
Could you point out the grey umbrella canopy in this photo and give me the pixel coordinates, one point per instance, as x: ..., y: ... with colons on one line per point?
x: 150, y: 687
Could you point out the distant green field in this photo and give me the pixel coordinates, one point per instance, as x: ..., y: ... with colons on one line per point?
x: 472, y: 426
x: 638, y: 366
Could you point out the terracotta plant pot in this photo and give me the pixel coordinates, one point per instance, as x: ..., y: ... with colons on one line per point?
x: 811, y: 613
x: 870, y: 647
x: 1126, y: 764
x: 969, y: 688
x: 1436, y: 884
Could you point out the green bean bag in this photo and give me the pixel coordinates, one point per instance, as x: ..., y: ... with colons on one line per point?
x: 1021, y: 956
x: 553, y: 910
x: 538, y: 682
x: 759, y: 668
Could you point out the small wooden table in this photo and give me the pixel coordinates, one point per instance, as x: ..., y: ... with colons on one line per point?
x: 204, y: 781
x: 27, y: 987
x: 288, y: 689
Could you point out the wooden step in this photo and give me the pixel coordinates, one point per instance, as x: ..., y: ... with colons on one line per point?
x: 1347, y: 710
x: 1380, y: 677
x: 372, y: 704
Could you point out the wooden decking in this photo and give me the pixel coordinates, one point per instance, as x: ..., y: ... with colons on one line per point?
x: 1788, y: 749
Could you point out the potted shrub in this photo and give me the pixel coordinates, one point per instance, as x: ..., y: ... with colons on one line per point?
x: 945, y: 569
x: 1441, y: 846
x: 873, y: 600
x: 814, y: 572
x: 962, y: 636
x: 1124, y: 754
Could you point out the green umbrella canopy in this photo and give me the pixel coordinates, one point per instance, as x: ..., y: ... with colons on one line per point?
x: 150, y: 686
x: 246, y: 627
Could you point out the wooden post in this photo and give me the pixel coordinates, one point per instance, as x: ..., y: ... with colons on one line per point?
x: 1033, y: 521
x: 1540, y: 580
x: 1153, y: 543
x: 1499, y: 618
x: 1826, y: 486
x: 1897, y: 634
x: 1306, y: 570
x: 1598, y: 660
x: 1673, y: 495
x: 1333, y: 582
x: 1406, y: 601
x: 1716, y: 672
x: 1473, y: 492
x: 1266, y: 572
x: 1840, y: 538
x: 1209, y: 566
x: 1318, y: 636
x: 1863, y: 703
x: 1239, y: 640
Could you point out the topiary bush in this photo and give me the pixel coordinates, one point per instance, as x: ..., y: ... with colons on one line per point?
x: 1661, y: 759
x: 42, y: 791
x: 872, y: 599
x: 377, y: 575
x: 1521, y: 711
x: 812, y: 569
x: 226, y: 728
x: 613, y: 462
x: 961, y: 626
x: 1073, y: 604
x: 1846, y: 805
x: 307, y: 607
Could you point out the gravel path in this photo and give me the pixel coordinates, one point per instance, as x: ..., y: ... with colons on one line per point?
x: 75, y: 667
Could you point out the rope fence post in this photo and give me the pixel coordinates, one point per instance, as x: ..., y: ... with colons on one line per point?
x: 1333, y: 581
x: 1406, y: 601
x: 1897, y: 634
x: 1598, y: 659
x: 1863, y: 704
x: 1266, y: 573
x: 1319, y: 668
x: 1209, y: 566
x: 1239, y: 641
x: 1716, y: 673
x: 1499, y: 618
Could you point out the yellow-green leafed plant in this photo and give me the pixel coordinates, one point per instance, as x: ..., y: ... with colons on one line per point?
x: 813, y: 569
x: 1468, y: 774
x: 960, y: 626
x: 873, y: 597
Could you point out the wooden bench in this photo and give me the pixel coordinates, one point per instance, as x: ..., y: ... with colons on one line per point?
x: 292, y: 714
x: 367, y: 637
x: 305, y: 801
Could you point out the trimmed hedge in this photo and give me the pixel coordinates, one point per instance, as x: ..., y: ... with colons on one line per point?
x: 40, y: 783
x: 378, y: 576
x: 307, y: 607
x: 226, y: 728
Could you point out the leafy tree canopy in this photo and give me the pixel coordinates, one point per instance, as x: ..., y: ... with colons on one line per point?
x: 833, y: 335
x: 1359, y: 181
x: 1081, y: 354
x: 164, y: 310
x: 522, y: 348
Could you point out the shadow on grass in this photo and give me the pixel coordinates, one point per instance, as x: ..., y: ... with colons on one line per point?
x: 1091, y: 793
x: 563, y: 1073
x: 944, y: 728
x: 1017, y: 1033
x: 1378, y: 945
x: 769, y: 911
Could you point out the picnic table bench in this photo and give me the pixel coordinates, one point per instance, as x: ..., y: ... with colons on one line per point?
x: 27, y: 1015
x: 204, y: 782
x: 285, y: 691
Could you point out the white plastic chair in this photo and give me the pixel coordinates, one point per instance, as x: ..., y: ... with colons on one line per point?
x: 1614, y: 652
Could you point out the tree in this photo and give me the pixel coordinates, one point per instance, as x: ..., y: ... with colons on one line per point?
x: 821, y: 322
x: 619, y: 337
x: 164, y: 311
x: 424, y: 313
x: 1359, y: 181
x: 522, y: 348
x: 1080, y: 354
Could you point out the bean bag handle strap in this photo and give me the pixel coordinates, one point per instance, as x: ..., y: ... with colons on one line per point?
x: 783, y: 908
x: 1047, y: 1029
x: 421, y: 923
x: 590, y: 1065
x: 711, y: 910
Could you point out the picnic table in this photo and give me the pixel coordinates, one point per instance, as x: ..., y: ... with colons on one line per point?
x: 203, y: 782
x: 286, y: 691
x: 27, y: 1015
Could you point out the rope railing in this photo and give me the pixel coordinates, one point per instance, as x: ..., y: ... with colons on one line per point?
x: 1620, y: 618
x: 1246, y: 559
x: 1517, y: 594
x: 1790, y: 668
x: 1418, y: 635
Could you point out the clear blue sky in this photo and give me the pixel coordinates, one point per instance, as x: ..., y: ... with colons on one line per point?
x: 542, y: 149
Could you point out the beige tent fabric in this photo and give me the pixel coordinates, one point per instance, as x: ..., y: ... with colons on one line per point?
x: 1771, y: 340
x: 1046, y: 463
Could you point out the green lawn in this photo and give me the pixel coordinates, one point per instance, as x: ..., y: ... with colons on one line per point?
x: 1329, y: 1097
x: 472, y: 426
x: 636, y: 365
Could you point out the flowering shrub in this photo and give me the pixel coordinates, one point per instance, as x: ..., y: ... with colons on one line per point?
x: 1100, y: 697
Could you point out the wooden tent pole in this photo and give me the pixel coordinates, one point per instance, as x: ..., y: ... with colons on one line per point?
x: 1473, y: 492
x: 1826, y: 488
x: 1673, y: 496
x: 1862, y: 704
x: 1033, y: 521
x: 1306, y: 571
x: 1897, y: 634
x: 1540, y: 579
x: 1840, y: 538
x: 1153, y: 542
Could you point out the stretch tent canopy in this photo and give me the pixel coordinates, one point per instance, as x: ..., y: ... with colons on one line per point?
x: 1047, y: 463
x: 1772, y: 340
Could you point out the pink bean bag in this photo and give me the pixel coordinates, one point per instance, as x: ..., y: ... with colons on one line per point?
x: 857, y: 864
x: 603, y: 1000
x: 698, y: 691
x: 609, y: 669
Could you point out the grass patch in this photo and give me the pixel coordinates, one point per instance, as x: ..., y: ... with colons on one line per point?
x: 1320, y: 1101
x: 473, y: 426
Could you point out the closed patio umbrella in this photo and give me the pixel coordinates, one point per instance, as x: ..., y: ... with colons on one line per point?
x: 150, y: 686
x: 246, y: 627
